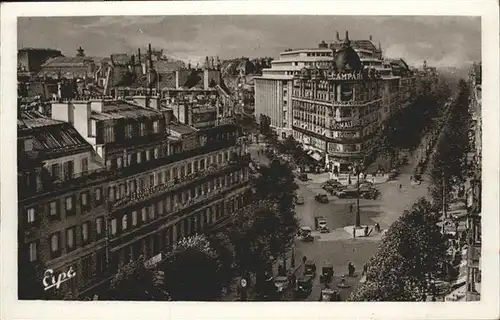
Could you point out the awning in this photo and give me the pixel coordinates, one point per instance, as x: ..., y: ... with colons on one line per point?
x: 316, y: 156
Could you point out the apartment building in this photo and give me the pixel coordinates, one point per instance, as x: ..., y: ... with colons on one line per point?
x: 105, y: 181
x: 473, y: 288
x: 339, y: 111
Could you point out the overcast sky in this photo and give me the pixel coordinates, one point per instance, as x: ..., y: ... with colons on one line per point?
x: 442, y: 41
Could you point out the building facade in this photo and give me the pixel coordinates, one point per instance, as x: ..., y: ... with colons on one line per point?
x: 106, y: 181
x: 339, y: 112
x: 473, y: 292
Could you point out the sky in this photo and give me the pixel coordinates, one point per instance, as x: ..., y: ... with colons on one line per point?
x: 442, y: 41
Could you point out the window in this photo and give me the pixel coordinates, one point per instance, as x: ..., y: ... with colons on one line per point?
x: 85, y: 232
x: 142, y: 131
x: 160, y: 207
x: 70, y: 239
x: 85, y: 165
x: 98, y: 227
x: 68, y: 170
x: 202, y: 164
x: 54, y: 245
x: 87, y: 267
x: 151, y: 212
x: 85, y: 200
x: 156, y: 153
x: 56, y: 171
x: 33, y: 254
x: 109, y: 134
x: 113, y: 227
x: 156, y: 128
x: 148, y: 155
x: 128, y: 130
x: 139, y: 157
x: 119, y: 162
x: 98, y: 195
x: 70, y: 208
x: 124, y: 222
x: 108, y: 164
x: 134, y: 218
x: 31, y: 215
x: 54, y: 212
x: 144, y: 214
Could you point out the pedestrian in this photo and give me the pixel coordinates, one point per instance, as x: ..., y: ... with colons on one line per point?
x: 377, y: 227
x: 365, y: 269
x: 400, y: 186
x: 411, y: 178
x: 366, y: 231
x: 304, y: 259
x: 350, y: 207
x: 354, y: 232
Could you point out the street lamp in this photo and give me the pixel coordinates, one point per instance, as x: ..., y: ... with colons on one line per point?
x: 356, y: 170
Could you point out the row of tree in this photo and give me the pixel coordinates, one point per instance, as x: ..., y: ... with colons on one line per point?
x: 409, y: 256
x: 449, y: 162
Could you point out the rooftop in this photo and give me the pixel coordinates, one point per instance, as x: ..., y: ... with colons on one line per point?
x: 181, y: 128
x: 50, y: 135
x: 121, y: 109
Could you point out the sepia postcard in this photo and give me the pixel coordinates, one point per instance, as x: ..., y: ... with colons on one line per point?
x: 250, y: 159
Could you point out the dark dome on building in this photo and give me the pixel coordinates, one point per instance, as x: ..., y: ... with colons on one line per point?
x: 346, y: 59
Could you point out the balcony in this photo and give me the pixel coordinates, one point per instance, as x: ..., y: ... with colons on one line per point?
x: 178, y: 183
x: 49, y: 184
x: 178, y: 210
x: 343, y: 154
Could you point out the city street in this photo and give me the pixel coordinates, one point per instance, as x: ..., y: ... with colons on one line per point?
x: 338, y: 247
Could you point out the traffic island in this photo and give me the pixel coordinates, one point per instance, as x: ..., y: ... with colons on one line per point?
x: 364, y: 231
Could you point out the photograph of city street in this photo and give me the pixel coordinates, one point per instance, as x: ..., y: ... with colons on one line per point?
x: 249, y: 158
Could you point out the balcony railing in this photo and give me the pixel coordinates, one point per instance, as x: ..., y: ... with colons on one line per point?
x: 191, y: 205
x: 177, y: 183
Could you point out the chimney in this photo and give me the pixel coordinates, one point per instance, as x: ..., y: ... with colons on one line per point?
x: 338, y: 36
x: 347, y: 35
x: 151, y: 102
x: 139, y: 55
x: 371, y: 38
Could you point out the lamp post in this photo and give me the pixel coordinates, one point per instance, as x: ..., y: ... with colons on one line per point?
x: 356, y: 170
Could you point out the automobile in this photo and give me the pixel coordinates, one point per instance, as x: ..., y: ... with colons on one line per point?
x: 326, y: 273
x: 304, y: 286
x: 370, y: 194
x: 393, y: 174
x: 305, y: 234
x: 332, y: 183
x: 328, y: 294
x: 320, y: 224
x: 347, y: 193
x: 303, y: 177
x: 310, y: 269
x: 321, y: 198
x: 300, y: 200
x: 281, y: 284
x: 365, y: 184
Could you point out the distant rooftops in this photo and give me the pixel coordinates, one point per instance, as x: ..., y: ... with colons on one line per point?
x: 182, y: 129
x: 50, y: 135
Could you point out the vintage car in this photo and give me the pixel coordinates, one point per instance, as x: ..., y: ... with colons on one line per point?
x: 326, y: 273
x: 328, y: 294
x: 304, y: 286
x: 303, y: 177
x: 300, y: 200
x: 310, y: 268
x: 281, y: 284
x: 305, y: 234
x: 321, y: 198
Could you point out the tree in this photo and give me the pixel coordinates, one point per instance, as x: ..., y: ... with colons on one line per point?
x: 225, y: 250
x: 136, y: 282
x: 449, y: 160
x: 276, y: 183
x: 193, y: 271
x: 407, y: 258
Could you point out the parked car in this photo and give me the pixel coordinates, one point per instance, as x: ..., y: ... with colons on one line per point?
x: 300, y: 200
x: 320, y: 224
x: 321, y: 198
x: 304, y: 287
x: 305, y: 234
x: 281, y: 284
x: 303, y: 177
